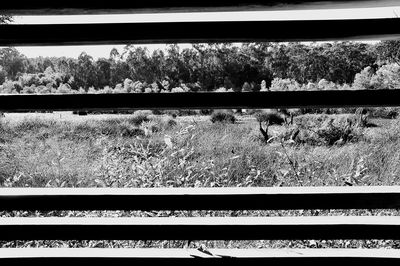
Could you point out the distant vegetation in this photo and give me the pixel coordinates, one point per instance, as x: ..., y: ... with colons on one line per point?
x: 208, y: 67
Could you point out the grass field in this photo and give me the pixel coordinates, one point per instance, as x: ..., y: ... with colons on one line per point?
x: 144, y: 150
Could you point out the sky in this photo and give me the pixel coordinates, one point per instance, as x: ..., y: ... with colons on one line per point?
x: 104, y: 50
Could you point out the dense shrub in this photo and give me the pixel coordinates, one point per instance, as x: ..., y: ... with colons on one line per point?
x: 333, y: 131
x: 223, y: 117
x: 273, y: 117
x: 185, y: 112
x: 173, y: 113
x: 279, y: 84
x: 326, y: 129
x: 362, y: 80
x: 206, y: 111
x: 384, y: 112
x: 140, y: 116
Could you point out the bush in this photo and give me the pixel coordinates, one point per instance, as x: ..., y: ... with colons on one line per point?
x: 333, y: 131
x: 223, y: 117
x: 384, y: 112
x: 327, y: 129
x: 279, y: 84
x: 206, y: 111
x: 140, y: 116
x: 273, y: 117
x: 187, y: 112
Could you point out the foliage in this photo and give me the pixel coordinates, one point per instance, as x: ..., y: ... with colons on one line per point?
x: 328, y: 130
x: 223, y: 117
x: 362, y: 80
x: 139, y: 117
x: 273, y: 117
x: 385, y: 77
x: 388, y: 51
x: 279, y: 84
x: 207, y: 67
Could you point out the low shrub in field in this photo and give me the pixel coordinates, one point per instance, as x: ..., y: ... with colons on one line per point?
x: 223, y: 117
x: 335, y: 131
x: 186, y: 112
x: 323, y: 130
x: 140, y: 116
x: 173, y: 113
x: 205, y: 111
x: 384, y: 112
x: 273, y: 117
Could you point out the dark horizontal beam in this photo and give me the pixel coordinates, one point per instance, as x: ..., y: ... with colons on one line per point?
x: 46, y: 7
x: 150, y: 256
x: 199, y: 228
x: 194, y: 32
x: 203, y: 100
x: 272, y: 198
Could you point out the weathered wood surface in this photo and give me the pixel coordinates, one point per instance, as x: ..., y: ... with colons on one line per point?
x: 200, y: 228
x: 84, y: 256
x: 210, y: 31
x: 200, y: 100
x: 46, y: 7
x: 267, y: 198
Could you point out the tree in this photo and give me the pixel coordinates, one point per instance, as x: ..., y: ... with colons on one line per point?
x: 3, y: 75
x: 103, y: 72
x: 12, y: 61
x: 85, y: 74
x: 389, y: 51
x: 387, y: 77
x: 362, y: 80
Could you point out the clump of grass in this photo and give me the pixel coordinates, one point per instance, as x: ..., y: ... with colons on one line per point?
x: 32, y: 125
x: 223, y: 117
x: 139, y: 117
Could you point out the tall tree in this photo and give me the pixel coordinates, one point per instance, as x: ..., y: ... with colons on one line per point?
x: 12, y: 61
x: 389, y: 51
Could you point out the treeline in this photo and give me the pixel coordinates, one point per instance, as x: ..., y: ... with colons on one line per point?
x: 207, y: 67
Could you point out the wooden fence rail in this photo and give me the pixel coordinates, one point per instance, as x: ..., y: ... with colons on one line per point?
x: 200, y: 228
x: 273, y: 198
x: 213, y: 31
x: 46, y: 7
x: 200, y: 100
x: 243, y: 257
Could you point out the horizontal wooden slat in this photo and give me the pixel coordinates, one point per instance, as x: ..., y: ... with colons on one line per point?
x: 212, y: 100
x: 46, y: 7
x: 88, y: 256
x: 197, y: 228
x: 192, y: 32
x: 269, y: 198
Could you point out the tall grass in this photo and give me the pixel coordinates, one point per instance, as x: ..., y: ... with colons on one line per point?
x: 161, y: 152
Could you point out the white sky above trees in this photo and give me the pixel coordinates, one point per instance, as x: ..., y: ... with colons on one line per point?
x: 104, y: 50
